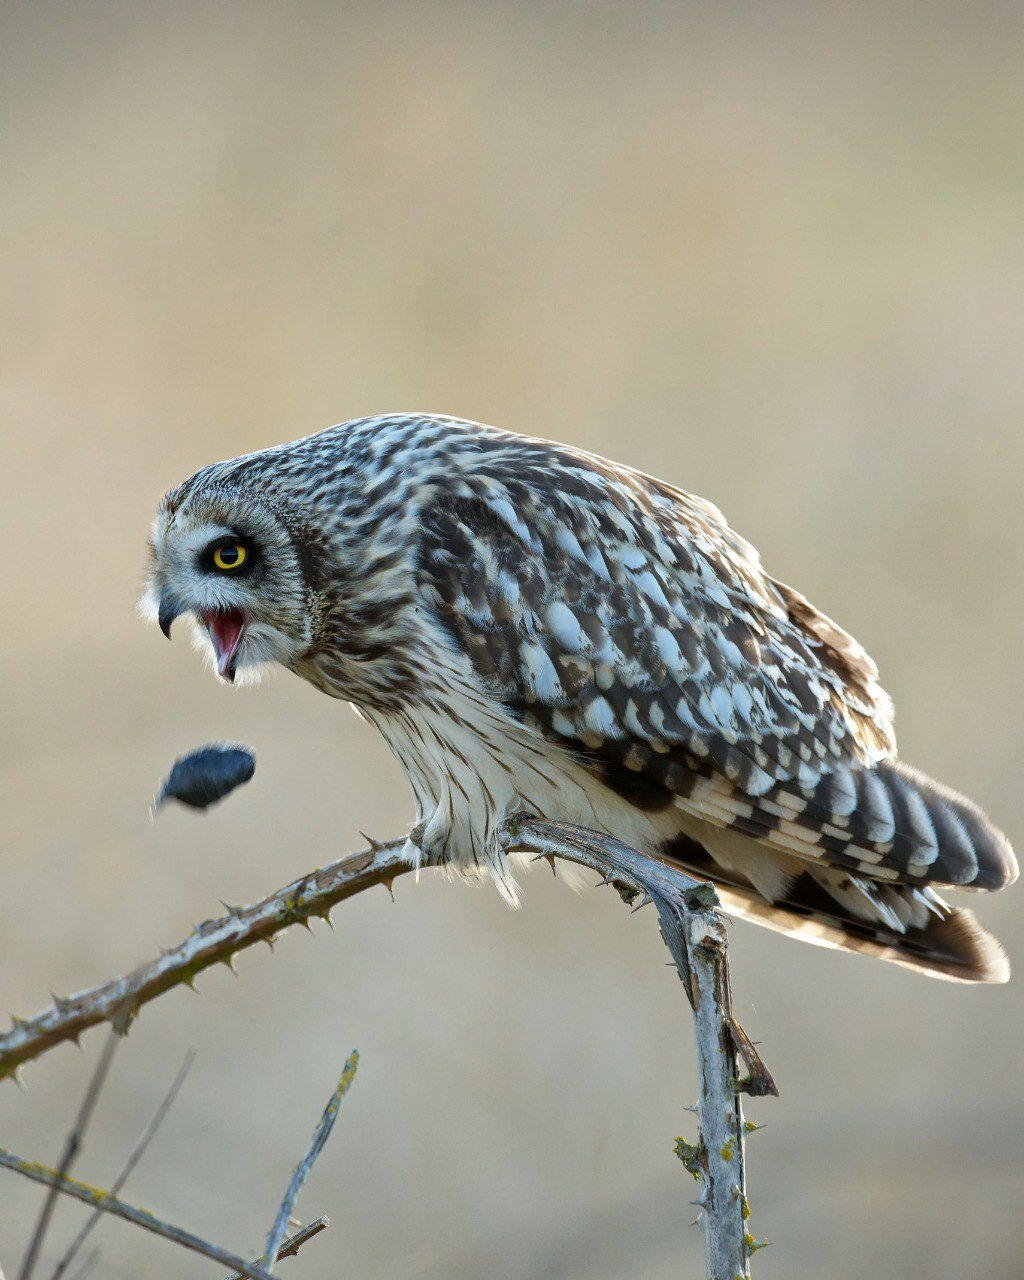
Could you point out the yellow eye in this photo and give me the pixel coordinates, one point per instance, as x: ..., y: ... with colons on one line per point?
x: 231, y: 555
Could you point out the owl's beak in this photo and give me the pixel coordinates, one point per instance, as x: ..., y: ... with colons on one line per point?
x: 166, y: 615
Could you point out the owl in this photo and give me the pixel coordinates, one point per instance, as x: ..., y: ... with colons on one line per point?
x: 537, y: 630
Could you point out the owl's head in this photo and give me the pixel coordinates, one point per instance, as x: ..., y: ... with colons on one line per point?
x: 304, y: 554
x: 233, y: 560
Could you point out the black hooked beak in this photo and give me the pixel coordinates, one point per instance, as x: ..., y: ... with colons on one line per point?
x: 168, y: 612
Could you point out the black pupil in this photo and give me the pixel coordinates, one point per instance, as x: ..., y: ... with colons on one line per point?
x: 231, y: 554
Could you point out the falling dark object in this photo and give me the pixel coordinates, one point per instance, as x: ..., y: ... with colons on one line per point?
x: 207, y: 775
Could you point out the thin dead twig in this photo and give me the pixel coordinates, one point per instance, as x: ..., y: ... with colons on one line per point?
x: 87, y: 1267
x: 294, y: 1243
x: 145, y: 1138
x: 99, y: 1199
x: 76, y: 1137
x: 316, y: 1145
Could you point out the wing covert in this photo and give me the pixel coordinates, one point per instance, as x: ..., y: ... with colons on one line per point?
x: 624, y: 612
x: 628, y: 623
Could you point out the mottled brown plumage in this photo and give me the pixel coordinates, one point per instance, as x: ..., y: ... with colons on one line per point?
x: 535, y: 628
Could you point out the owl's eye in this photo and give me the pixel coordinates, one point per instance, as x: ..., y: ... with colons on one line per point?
x: 228, y: 555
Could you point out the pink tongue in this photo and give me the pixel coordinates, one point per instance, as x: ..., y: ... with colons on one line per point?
x: 225, y: 628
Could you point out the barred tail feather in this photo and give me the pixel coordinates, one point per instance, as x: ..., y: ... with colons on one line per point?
x: 887, y: 822
x: 941, y: 836
x: 902, y: 923
x: 954, y: 947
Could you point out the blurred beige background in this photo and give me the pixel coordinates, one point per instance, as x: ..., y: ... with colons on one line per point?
x: 772, y: 254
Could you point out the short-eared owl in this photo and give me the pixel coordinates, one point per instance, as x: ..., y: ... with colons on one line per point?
x: 533, y: 628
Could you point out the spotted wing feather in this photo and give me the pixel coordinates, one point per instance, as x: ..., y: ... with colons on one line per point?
x: 627, y: 621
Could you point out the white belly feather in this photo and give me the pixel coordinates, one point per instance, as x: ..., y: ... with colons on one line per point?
x: 472, y: 765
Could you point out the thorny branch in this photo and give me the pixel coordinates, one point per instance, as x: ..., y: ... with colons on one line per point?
x: 690, y: 925
x: 695, y: 935
x: 212, y: 942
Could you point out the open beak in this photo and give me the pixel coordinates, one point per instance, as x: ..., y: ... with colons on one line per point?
x: 226, y: 627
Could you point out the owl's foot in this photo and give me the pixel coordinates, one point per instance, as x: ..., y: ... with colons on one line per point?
x: 412, y: 850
